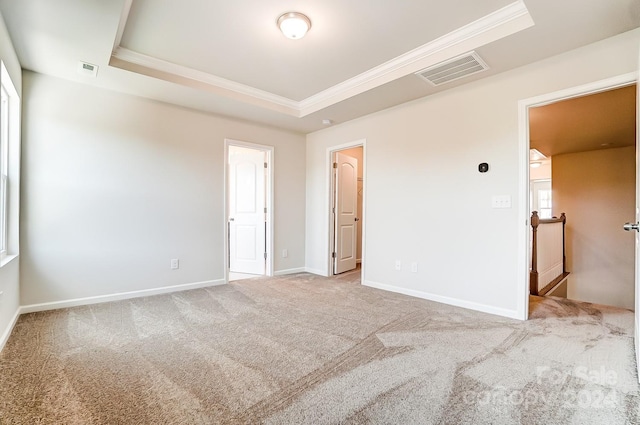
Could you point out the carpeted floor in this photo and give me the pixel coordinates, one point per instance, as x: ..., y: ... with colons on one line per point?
x: 303, y: 349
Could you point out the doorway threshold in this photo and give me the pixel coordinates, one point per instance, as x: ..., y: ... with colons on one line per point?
x: 233, y: 276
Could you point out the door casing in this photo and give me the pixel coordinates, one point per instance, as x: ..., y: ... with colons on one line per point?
x: 330, y: 222
x: 269, y: 151
x: 524, y: 235
x: 636, y: 335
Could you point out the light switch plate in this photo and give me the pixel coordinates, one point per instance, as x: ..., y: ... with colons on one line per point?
x: 501, y: 201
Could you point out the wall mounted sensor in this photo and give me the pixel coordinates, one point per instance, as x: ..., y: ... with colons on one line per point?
x: 483, y: 168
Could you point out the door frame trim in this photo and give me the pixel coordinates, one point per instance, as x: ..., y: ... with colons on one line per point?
x: 329, y: 178
x: 523, y: 154
x: 269, y: 150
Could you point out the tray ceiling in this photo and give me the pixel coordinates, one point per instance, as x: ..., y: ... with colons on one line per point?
x: 239, y: 40
x: 359, y: 57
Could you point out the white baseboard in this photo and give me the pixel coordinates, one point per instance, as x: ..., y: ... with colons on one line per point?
x: 117, y: 297
x: 7, y: 332
x: 316, y: 271
x: 637, y: 343
x: 512, y: 314
x: 289, y: 271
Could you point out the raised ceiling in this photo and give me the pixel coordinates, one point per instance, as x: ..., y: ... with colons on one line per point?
x: 359, y: 57
x: 295, y: 69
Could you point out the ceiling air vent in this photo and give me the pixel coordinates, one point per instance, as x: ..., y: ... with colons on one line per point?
x: 453, y: 69
x: 89, y: 69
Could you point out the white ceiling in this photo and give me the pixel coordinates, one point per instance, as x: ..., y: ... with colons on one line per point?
x: 226, y: 40
x: 228, y: 57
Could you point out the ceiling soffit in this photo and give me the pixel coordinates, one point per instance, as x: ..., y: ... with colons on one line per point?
x: 499, y: 24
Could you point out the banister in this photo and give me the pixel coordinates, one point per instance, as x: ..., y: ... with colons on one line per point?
x: 536, y: 221
x: 561, y: 219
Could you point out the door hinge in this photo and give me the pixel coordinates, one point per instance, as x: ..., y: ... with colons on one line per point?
x: 265, y: 210
x: 265, y: 255
x: 265, y: 165
x: 335, y: 165
x: 334, y: 210
x: 333, y: 255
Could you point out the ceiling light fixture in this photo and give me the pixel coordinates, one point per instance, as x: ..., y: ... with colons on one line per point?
x: 294, y: 25
x: 536, y: 155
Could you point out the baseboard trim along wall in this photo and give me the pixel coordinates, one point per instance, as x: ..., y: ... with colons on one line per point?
x: 117, y: 297
x: 289, y: 271
x: 316, y: 271
x: 9, y: 329
x: 512, y: 314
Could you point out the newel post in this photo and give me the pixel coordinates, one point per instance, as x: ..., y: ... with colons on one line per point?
x: 533, y: 273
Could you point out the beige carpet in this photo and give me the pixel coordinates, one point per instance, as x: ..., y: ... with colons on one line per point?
x: 302, y: 349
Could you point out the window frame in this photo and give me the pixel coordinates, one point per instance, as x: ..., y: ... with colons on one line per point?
x: 9, y: 166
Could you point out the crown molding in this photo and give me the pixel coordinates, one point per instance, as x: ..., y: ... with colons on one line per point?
x: 509, y: 20
x: 499, y: 24
x: 153, y: 67
x: 122, y: 23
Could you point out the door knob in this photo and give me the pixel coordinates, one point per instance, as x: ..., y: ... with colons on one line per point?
x: 356, y: 219
x: 631, y: 226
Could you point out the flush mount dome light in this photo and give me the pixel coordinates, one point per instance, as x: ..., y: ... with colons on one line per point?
x: 294, y: 25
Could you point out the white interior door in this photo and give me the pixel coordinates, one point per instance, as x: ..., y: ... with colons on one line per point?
x: 346, y: 210
x: 247, y: 210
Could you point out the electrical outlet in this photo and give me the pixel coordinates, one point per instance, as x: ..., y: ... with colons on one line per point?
x: 398, y: 265
x: 414, y: 267
x: 285, y: 253
x: 175, y: 264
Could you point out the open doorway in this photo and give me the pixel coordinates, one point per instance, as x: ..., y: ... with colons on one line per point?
x: 582, y: 179
x: 347, y: 210
x: 248, y: 208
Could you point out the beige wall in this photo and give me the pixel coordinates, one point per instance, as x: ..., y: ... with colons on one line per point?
x: 357, y: 153
x: 426, y: 201
x: 597, y: 192
x: 9, y: 273
x: 114, y: 186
